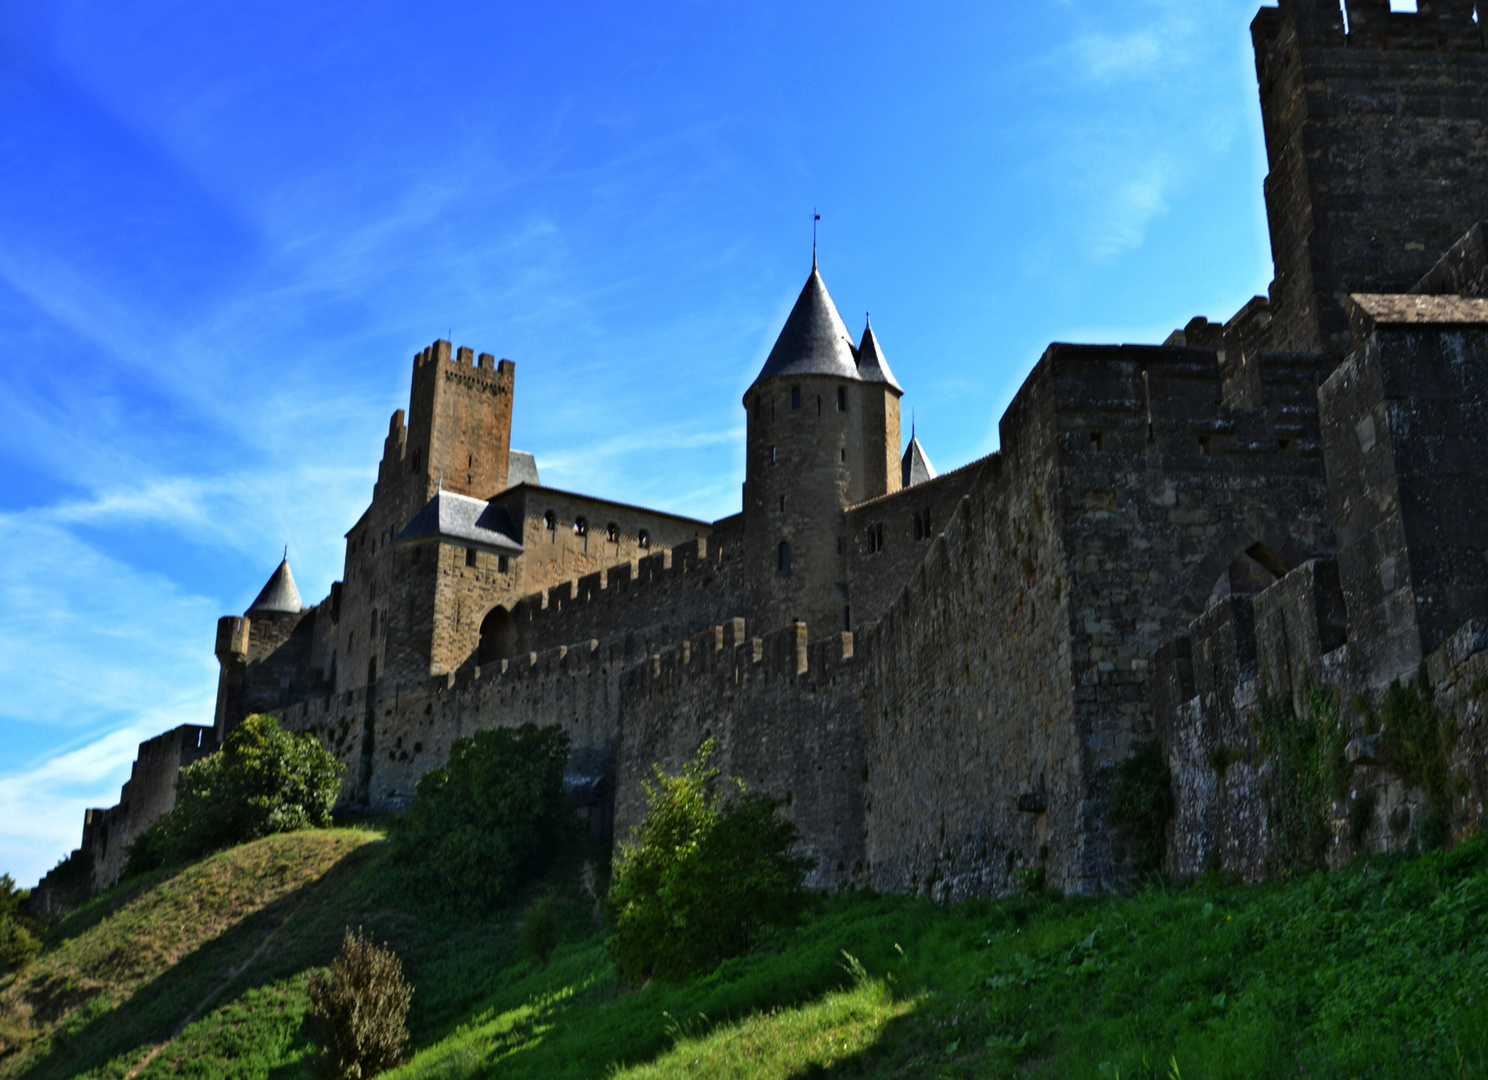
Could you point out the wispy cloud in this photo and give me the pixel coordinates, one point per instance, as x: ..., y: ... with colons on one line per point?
x: 1133, y: 205
x: 1107, y: 57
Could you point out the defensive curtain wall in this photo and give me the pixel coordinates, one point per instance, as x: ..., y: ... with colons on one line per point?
x: 1402, y: 422
x: 937, y: 677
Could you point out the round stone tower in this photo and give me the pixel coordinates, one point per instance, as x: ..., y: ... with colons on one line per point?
x: 823, y: 434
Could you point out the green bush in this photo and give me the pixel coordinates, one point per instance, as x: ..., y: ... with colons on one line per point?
x: 491, y: 817
x: 358, y: 1014
x: 1142, y: 804
x: 18, y: 945
x: 703, y: 876
x: 539, y: 935
x: 264, y: 780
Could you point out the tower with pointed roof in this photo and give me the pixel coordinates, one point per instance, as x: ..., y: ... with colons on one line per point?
x: 822, y: 423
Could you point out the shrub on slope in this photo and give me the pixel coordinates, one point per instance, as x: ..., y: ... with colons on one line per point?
x: 703, y: 876
x: 358, y: 1012
x: 490, y: 818
x: 264, y: 780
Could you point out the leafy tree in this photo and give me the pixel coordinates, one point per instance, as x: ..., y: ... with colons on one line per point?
x: 703, y: 876
x: 358, y: 1012
x: 264, y: 780
x: 489, y: 818
x: 18, y: 945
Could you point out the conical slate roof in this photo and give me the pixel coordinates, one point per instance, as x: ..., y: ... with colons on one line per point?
x: 279, y: 595
x: 872, y: 367
x: 915, y: 467
x: 813, y: 341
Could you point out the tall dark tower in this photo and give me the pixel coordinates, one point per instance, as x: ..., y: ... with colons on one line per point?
x: 823, y: 434
x: 1377, y: 150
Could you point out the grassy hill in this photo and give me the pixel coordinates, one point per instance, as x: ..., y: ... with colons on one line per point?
x: 1378, y: 971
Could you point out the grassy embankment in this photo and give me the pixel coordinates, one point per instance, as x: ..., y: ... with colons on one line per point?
x: 1375, y: 972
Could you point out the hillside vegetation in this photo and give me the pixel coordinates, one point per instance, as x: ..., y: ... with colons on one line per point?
x: 1376, y: 971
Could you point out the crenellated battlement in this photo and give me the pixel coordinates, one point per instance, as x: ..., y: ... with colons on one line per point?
x: 464, y: 359
x: 1436, y: 25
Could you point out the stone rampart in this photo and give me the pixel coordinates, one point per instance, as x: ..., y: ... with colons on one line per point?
x: 787, y: 718
x: 660, y: 598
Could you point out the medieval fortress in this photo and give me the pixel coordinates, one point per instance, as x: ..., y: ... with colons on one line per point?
x: 938, y: 674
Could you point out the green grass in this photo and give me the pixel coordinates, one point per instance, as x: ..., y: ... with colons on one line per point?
x: 1376, y: 971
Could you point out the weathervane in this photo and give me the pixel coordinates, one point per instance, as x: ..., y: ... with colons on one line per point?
x: 815, y: 217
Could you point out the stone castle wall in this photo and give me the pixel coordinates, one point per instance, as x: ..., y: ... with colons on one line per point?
x: 1167, y: 534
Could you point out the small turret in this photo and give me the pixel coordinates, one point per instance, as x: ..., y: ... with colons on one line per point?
x: 280, y: 596
x: 915, y: 467
x: 872, y: 367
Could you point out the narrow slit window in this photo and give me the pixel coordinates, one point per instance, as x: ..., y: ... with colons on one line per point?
x: 795, y: 397
x: 841, y: 399
x: 783, y: 557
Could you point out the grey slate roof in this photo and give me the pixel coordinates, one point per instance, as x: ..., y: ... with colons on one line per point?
x: 279, y: 595
x: 521, y: 468
x: 872, y: 367
x: 463, y: 520
x: 813, y: 340
x: 915, y: 467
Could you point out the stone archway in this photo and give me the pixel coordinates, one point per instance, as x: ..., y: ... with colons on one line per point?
x: 498, y: 636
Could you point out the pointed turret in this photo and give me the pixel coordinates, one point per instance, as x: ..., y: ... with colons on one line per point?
x: 814, y: 340
x: 915, y: 467
x: 280, y: 595
x: 872, y: 367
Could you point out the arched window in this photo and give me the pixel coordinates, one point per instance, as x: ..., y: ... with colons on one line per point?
x: 549, y: 521
x: 643, y: 539
x: 498, y: 637
x: 612, y: 533
x: 581, y: 526
x: 782, y: 557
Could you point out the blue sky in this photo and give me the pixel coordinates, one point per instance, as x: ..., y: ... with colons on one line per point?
x: 226, y: 228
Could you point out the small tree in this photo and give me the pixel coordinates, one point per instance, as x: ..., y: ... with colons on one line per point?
x: 18, y: 945
x: 358, y: 1012
x: 264, y: 780
x: 540, y: 930
x: 703, y: 875
x: 490, y: 817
